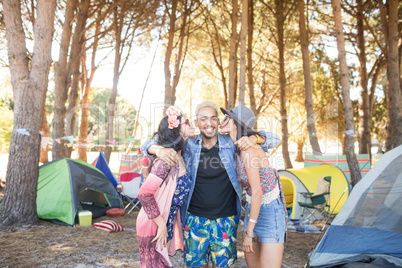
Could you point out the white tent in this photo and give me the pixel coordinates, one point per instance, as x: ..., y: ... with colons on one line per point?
x: 368, y: 228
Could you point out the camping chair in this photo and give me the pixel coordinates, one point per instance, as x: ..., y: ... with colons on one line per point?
x: 130, y: 183
x: 319, y: 201
x: 131, y: 163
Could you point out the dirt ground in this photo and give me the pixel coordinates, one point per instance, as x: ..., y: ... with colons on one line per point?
x: 45, y: 244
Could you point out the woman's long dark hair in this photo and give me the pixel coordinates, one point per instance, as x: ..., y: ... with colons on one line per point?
x: 169, y: 138
x: 242, y: 131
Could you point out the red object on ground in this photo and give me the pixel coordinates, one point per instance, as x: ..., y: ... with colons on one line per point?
x: 115, y: 212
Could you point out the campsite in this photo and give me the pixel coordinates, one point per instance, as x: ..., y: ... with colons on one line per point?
x: 50, y: 245
x: 183, y: 120
x: 46, y: 244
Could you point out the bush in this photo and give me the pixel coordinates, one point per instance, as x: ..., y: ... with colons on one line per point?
x: 6, y: 128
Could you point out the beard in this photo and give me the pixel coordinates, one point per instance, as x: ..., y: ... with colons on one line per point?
x: 209, y: 135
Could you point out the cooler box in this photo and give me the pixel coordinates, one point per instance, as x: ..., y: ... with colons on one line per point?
x: 85, y: 218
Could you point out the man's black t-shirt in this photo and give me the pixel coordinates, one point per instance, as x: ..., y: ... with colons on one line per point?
x: 214, y: 195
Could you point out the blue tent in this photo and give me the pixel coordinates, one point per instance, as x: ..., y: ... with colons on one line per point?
x: 368, y: 228
x: 101, y: 164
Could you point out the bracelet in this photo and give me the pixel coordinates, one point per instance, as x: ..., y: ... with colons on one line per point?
x: 258, y: 139
x: 159, y: 150
x: 251, y: 220
x: 249, y: 236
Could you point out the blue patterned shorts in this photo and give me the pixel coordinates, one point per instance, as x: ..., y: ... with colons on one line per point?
x: 210, y: 240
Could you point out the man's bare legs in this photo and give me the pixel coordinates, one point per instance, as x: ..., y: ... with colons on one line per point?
x: 206, y: 266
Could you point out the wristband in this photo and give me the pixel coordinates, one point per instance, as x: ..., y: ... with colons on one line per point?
x: 258, y: 139
x: 248, y: 235
x: 159, y: 150
x: 251, y: 220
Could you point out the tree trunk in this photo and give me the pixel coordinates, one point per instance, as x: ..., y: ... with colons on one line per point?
x: 180, y: 56
x: 168, y: 55
x: 364, y: 107
x: 375, y: 73
x: 394, y: 98
x: 299, y: 155
x: 29, y: 81
x: 118, y: 21
x: 307, y: 82
x: 61, y: 89
x: 217, y: 56
x: 71, y: 111
x: 253, y: 106
x: 282, y: 83
x: 347, y: 102
x: 384, y: 24
x: 83, y: 132
x: 343, y: 144
x: 77, y: 47
x: 233, y: 57
x: 44, y: 156
x: 243, y: 45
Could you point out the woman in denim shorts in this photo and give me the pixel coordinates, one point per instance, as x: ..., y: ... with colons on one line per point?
x: 266, y: 216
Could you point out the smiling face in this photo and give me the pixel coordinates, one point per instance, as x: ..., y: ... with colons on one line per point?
x: 208, y: 122
x: 186, y: 129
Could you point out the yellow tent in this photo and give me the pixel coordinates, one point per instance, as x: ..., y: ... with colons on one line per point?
x: 295, y: 181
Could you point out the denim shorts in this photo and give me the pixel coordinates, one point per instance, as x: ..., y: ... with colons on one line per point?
x: 270, y: 227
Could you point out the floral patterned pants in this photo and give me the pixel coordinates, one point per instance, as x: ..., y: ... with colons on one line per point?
x: 210, y: 240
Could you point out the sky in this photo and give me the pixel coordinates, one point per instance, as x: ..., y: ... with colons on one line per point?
x: 132, y: 82
x: 133, y: 78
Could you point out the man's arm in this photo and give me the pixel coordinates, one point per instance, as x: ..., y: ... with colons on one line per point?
x: 147, y: 145
x: 271, y: 140
x: 266, y: 140
x: 151, y: 148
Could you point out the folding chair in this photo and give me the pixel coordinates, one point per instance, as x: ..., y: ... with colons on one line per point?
x: 130, y: 183
x: 131, y: 163
x: 319, y: 201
